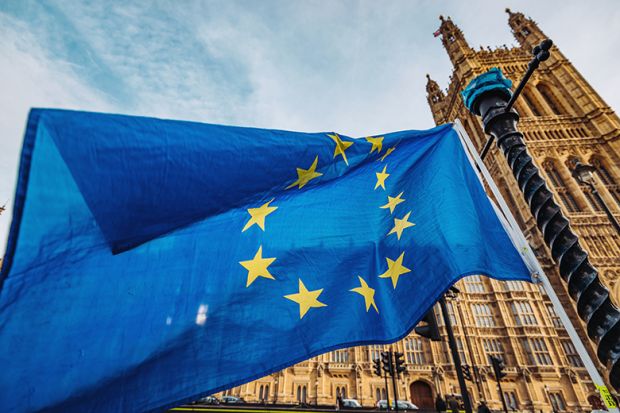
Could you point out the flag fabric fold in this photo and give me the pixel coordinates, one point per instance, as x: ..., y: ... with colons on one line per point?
x: 151, y: 262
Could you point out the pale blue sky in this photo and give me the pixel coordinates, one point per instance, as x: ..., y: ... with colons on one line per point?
x: 356, y: 67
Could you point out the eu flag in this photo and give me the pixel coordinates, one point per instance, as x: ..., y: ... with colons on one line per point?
x: 151, y: 262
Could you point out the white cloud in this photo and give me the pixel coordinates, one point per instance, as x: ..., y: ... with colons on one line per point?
x: 30, y: 78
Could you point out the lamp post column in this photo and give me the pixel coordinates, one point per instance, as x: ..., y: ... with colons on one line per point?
x: 488, y: 96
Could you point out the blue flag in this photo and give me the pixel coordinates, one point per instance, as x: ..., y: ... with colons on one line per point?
x: 151, y: 262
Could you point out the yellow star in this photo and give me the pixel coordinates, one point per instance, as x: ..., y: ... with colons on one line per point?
x: 381, y: 177
x: 257, y: 267
x: 395, y: 269
x: 389, y: 151
x: 341, y: 146
x: 400, y: 225
x: 392, y: 202
x: 257, y: 215
x: 368, y: 293
x: 305, y: 175
x: 306, y: 299
x: 377, y: 143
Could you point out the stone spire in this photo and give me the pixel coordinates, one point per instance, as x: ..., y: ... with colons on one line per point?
x: 524, y: 29
x: 462, y: 56
x: 435, y: 97
x: 454, y: 41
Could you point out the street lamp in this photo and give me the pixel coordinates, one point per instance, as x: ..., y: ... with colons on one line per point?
x: 584, y: 174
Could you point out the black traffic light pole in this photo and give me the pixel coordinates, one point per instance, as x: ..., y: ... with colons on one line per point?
x: 381, y: 372
x: 455, y: 355
x: 388, y: 367
x: 394, y: 374
x: 497, y: 370
x: 399, y: 367
x: 393, y: 363
x: 387, y: 395
x: 488, y: 96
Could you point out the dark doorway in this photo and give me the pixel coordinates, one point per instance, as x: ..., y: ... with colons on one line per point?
x: 422, y: 395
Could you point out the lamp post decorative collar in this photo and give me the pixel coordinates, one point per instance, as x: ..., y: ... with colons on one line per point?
x: 493, y: 80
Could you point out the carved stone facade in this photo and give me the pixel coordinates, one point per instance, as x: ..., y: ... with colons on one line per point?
x: 564, y: 120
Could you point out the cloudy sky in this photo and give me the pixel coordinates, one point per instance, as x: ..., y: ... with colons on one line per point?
x: 356, y: 67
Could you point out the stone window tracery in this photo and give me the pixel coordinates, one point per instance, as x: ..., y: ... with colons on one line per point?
x: 414, y: 350
x: 523, y: 313
x: 550, y: 99
x: 558, y: 182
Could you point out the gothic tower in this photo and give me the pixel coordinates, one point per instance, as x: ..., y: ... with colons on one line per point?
x: 564, y: 120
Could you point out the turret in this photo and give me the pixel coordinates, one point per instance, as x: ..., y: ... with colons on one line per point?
x: 461, y: 55
x: 525, y: 30
x: 435, y: 97
x: 453, y: 40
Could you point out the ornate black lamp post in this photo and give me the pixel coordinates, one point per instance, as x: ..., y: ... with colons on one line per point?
x: 489, y: 96
x: 584, y: 174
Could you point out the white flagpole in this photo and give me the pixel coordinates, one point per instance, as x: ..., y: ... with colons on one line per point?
x: 532, y: 263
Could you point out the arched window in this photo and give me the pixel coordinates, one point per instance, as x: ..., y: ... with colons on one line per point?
x: 530, y: 103
x: 342, y: 392
x: 301, y: 394
x: 260, y: 394
x: 550, y: 98
x: 266, y: 393
x: 602, y: 170
x: 553, y: 174
x: 607, y: 178
x: 562, y: 190
x: 557, y: 401
x: 519, y: 106
x: 594, y: 202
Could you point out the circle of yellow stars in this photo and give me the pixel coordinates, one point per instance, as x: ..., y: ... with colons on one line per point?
x: 258, y: 266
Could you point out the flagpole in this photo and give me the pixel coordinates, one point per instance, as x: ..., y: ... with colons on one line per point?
x: 533, y: 264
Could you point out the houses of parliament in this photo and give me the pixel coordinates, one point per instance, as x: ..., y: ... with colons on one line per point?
x: 564, y: 120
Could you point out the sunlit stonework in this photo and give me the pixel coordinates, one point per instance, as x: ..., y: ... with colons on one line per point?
x: 564, y: 120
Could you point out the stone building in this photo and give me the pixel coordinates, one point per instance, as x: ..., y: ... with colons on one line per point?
x: 564, y: 120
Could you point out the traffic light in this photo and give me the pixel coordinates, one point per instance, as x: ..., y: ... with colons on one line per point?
x: 377, y: 367
x: 386, y: 358
x: 399, y: 361
x: 430, y: 330
x: 466, y: 372
x: 498, y: 367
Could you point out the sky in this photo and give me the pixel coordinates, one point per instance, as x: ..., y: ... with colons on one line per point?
x: 354, y: 67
